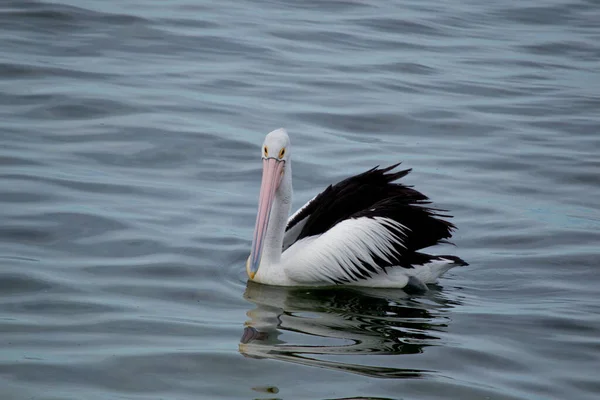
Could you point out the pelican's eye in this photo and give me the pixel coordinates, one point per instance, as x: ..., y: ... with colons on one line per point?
x: 266, y: 151
x: 282, y: 152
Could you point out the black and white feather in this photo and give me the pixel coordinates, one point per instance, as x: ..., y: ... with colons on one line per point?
x: 365, y: 227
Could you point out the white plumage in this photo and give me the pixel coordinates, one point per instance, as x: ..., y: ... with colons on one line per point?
x: 337, y: 253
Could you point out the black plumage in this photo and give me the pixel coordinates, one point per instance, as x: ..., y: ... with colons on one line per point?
x: 371, y: 194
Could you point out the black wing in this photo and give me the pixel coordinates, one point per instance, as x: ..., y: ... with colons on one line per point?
x: 375, y: 194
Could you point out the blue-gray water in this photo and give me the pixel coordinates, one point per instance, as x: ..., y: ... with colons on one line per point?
x: 129, y: 174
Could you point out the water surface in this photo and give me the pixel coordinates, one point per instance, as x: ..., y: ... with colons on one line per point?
x: 129, y: 171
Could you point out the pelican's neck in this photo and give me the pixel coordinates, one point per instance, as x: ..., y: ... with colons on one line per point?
x: 278, y: 220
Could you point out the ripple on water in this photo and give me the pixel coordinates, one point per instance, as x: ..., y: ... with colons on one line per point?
x: 129, y: 171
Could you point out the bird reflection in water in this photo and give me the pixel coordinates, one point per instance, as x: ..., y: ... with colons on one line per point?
x: 342, y: 322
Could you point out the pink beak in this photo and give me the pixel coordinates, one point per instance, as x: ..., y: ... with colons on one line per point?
x: 271, y: 178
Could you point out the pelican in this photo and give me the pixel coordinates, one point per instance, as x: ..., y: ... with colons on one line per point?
x: 363, y: 231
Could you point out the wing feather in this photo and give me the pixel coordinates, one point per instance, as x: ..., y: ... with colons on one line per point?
x: 359, y: 227
x: 295, y: 223
x: 349, y: 251
x: 372, y: 193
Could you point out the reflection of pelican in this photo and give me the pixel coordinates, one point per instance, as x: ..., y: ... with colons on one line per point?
x: 340, y: 322
x: 363, y: 231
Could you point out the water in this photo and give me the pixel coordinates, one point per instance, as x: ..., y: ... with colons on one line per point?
x: 129, y: 173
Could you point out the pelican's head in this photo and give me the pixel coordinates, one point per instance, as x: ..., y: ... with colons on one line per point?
x: 276, y: 145
x: 275, y: 152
